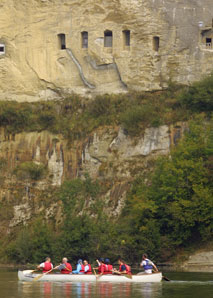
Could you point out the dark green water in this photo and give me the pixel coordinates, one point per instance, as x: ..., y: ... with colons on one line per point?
x: 182, y: 285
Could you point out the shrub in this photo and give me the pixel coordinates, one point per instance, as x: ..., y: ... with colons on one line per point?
x: 30, y: 170
x: 137, y: 117
x: 199, y: 96
x: 176, y: 204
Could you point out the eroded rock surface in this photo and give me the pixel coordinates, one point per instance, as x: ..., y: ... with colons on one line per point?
x: 108, y: 154
x: 55, y: 47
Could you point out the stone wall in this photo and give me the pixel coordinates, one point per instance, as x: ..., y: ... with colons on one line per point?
x: 33, y: 66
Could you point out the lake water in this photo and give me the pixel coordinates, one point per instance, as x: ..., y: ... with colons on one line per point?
x: 182, y: 285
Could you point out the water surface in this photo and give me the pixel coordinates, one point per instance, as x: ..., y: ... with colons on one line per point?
x: 182, y: 285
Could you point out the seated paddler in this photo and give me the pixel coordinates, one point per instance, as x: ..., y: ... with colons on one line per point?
x: 65, y: 267
x: 148, y: 265
x: 79, y: 267
x: 123, y: 268
x: 46, y: 266
x: 108, y: 267
x: 87, y: 267
x: 101, y: 266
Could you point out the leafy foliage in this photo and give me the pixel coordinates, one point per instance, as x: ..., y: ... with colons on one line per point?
x: 32, y: 244
x: 199, y: 96
x: 176, y: 207
x: 30, y: 170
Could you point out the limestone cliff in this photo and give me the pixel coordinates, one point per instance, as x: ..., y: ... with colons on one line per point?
x: 108, y: 154
x: 54, y: 47
x: 199, y: 261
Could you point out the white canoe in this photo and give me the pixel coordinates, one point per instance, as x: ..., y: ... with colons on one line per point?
x: 26, y: 275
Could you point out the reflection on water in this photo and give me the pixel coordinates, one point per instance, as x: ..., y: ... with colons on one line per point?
x: 89, y: 290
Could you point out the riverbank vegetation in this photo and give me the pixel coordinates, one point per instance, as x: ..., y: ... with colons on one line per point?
x: 166, y: 209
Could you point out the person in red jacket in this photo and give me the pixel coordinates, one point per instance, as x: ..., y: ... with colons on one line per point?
x: 46, y: 266
x: 65, y: 267
x: 123, y: 268
x: 87, y: 268
x: 108, y: 267
x: 101, y: 266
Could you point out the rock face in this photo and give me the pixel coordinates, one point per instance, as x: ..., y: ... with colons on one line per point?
x: 200, y: 261
x: 52, y: 47
x: 108, y: 154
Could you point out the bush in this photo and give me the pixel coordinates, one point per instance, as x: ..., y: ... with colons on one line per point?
x: 30, y: 170
x: 32, y: 244
x: 199, y: 96
x: 176, y: 206
x: 137, y: 117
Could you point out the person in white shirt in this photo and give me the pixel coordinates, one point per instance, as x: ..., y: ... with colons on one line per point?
x: 46, y: 266
x: 148, y: 265
x: 87, y: 267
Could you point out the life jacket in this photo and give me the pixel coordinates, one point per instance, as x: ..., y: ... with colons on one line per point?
x: 108, y: 269
x: 82, y: 268
x: 47, y: 267
x: 128, y: 269
x: 101, y: 268
x: 90, y: 270
x: 148, y: 265
x: 65, y: 270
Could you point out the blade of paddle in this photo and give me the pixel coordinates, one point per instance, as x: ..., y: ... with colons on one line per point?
x: 128, y: 276
x: 40, y: 275
x: 165, y: 278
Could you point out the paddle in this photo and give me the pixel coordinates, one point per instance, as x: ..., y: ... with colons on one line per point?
x: 41, y: 275
x: 95, y: 272
x: 127, y: 275
x: 165, y: 278
x: 124, y: 274
x: 97, y: 276
x: 29, y: 271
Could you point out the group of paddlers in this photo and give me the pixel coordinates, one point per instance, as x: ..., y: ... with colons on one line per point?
x: 104, y: 267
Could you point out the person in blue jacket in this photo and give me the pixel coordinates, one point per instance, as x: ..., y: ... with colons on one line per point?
x: 79, y: 268
x: 148, y: 265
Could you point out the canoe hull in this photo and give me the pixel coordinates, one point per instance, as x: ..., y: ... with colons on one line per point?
x: 155, y: 277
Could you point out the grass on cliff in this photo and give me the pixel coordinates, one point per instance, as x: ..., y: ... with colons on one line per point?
x: 76, y: 117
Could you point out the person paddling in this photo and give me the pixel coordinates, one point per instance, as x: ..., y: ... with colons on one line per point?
x: 80, y: 267
x: 123, y: 268
x: 101, y: 266
x: 148, y: 265
x: 87, y: 267
x: 108, y: 267
x: 46, y: 266
x: 65, y: 267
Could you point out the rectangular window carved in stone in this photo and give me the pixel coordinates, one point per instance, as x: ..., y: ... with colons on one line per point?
x: 209, y: 43
x: 84, y: 39
x: 126, y: 38
x: 108, y: 39
x: 156, y: 43
x: 2, y: 49
x: 62, y: 41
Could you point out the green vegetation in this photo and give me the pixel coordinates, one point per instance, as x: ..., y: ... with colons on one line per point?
x: 175, y: 208
x: 76, y: 117
x: 199, y: 96
x: 32, y: 243
x: 30, y: 171
x: 166, y: 209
